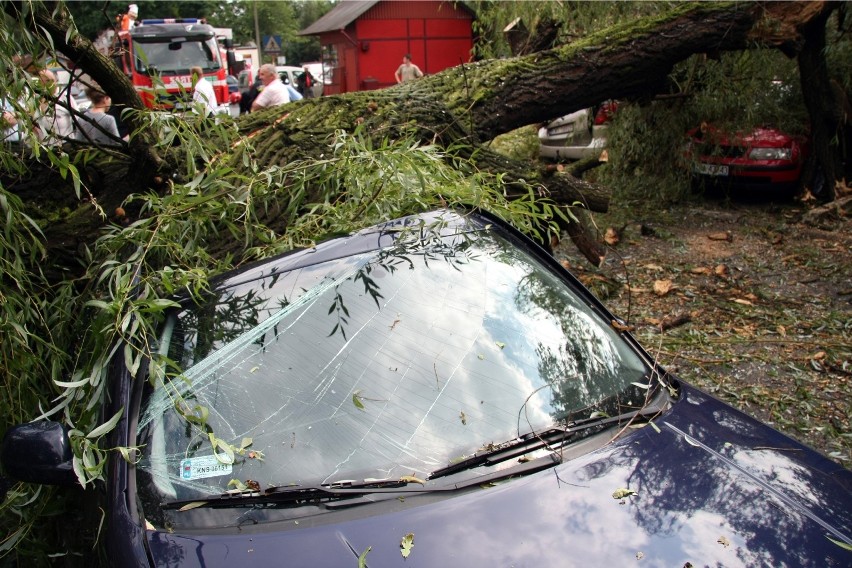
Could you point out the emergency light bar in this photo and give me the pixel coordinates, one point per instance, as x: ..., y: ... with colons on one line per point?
x: 172, y: 21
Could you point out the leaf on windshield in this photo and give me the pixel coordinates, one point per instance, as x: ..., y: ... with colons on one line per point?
x: 412, y: 479
x: 245, y: 443
x: 362, y: 559
x: 192, y: 505
x: 463, y: 418
x: 500, y: 344
x: 228, y: 449
x: 356, y: 400
x: 622, y: 492
x: 406, y: 545
x: 238, y: 485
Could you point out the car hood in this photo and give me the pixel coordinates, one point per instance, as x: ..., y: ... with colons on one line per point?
x: 703, y: 485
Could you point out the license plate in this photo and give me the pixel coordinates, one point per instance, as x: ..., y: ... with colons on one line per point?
x: 203, y: 466
x: 711, y: 169
x: 564, y: 129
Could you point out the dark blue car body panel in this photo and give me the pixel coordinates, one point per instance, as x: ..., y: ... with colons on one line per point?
x: 712, y: 487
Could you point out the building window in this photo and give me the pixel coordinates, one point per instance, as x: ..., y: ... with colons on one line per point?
x: 330, y: 67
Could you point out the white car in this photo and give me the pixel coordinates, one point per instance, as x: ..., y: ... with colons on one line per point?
x: 290, y: 76
x: 581, y: 134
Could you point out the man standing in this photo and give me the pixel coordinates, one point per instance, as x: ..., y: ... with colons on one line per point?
x: 274, y: 92
x: 202, y: 91
x: 408, y: 70
x: 128, y: 21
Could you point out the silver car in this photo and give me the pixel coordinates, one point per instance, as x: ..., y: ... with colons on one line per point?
x: 581, y: 134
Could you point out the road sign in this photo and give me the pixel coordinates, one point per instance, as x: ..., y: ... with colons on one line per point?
x: 272, y: 44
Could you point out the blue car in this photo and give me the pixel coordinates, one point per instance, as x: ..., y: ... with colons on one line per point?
x: 436, y: 391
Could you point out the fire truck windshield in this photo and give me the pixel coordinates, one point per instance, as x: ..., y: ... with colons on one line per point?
x: 176, y: 55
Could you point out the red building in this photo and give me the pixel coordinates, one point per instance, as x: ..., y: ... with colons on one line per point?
x: 363, y: 42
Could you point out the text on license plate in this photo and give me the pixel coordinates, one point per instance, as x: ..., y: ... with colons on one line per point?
x: 711, y: 169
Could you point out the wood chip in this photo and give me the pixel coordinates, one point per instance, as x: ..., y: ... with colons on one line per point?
x: 674, y: 321
x: 611, y: 237
x: 663, y: 287
x: 725, y: 236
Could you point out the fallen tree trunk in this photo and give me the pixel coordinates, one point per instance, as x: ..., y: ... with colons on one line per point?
x: 470, y: 104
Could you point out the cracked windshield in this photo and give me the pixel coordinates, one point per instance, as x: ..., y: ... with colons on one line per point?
x: 388, y: 363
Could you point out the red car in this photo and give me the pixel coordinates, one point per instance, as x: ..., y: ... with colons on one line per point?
x: 764, y: 158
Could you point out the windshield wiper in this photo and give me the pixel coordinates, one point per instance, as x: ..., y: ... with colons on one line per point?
x: 558, y: 436
x: 347, y: 493
x: 297, y: 494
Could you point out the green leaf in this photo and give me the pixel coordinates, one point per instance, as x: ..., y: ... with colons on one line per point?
x: 72, y: 384
x: 362, y: 559
x: 106, y: 426
x: 406, y: 545
x: 193, y: 505
x: 228, y: 450
x: 500, y: 344
x: 125, y: 453
x: 622, y: 492
x: 10, y: 541
x: 844, y: 545
x: 356, y: 400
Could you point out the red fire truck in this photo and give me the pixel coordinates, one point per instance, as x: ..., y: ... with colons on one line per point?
x: 157, y: 55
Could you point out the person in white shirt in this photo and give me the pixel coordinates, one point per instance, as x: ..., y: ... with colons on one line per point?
x: 202, y: 91
x: 11, y: 130
x: 407, y: 71
x: 274, y: 92
x: 54, y: 122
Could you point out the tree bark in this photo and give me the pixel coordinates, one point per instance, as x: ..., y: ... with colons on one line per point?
x: 825, y: 111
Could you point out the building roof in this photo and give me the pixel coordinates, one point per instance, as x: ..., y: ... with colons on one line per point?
x: 343, y: 14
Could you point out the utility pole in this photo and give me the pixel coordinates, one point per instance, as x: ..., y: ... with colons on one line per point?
x: 257, y: 36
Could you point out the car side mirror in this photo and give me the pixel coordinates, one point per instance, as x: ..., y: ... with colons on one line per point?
x: 38, y: 452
